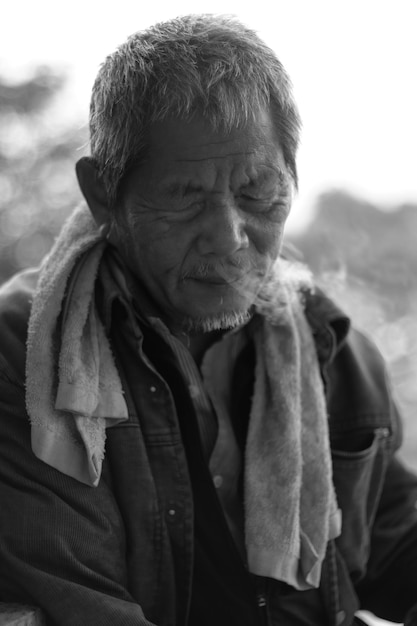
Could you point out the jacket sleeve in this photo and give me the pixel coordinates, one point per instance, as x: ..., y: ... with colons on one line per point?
x: 62, y: 544
x: 390, y: 586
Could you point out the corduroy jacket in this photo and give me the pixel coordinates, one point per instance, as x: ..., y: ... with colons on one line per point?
x: 124, y: 553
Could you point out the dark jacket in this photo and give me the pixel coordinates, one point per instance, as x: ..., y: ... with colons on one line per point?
x: 131, y: 550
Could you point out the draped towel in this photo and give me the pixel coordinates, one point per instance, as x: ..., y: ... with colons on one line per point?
x: 73, y: 389
x: 290, y: 503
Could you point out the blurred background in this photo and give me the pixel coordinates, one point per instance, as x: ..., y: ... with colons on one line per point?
x: 353, y: 65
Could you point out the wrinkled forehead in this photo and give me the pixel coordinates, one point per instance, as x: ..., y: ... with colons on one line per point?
x: 193, y: 145
x: 196, y: 137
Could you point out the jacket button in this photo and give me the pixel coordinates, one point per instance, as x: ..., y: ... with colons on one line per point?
x: 171, y: 512
x: 152, y: 389
x: 340, y: 617
x: 218, y: 481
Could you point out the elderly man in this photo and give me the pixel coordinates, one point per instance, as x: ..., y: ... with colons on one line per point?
x: 191, y: 434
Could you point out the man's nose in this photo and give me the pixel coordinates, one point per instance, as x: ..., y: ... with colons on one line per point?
x: 223, y: 229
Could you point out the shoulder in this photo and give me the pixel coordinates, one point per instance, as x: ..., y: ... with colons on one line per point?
x: 354, y: 371
x: 15, y: 304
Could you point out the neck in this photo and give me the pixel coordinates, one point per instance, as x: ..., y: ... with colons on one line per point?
x: 198, y: 343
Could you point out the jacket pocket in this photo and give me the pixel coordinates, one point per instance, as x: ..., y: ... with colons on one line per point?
x: 358, y: 472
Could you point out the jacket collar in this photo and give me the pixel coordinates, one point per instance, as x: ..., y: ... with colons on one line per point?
x: 330, y: 325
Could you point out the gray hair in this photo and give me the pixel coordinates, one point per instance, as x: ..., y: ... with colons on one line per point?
x: 213, y: 64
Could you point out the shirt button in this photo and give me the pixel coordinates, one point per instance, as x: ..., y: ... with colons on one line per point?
x: 152, y: 389
x: 218, y: 481
x: 194, y: 391
x: 171, y: 512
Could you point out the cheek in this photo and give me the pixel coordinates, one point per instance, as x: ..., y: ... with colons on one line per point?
x: 157, y: 249
x: 267, y: 240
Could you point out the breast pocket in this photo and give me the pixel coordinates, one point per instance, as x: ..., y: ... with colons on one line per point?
x: 358, y: 471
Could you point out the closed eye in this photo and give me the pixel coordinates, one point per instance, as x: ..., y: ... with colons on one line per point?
x: 268, y: 200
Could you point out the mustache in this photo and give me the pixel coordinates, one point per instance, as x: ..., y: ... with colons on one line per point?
x: 231, y: 268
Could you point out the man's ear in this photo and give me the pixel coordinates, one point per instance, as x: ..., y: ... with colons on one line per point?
x: 93, y: 190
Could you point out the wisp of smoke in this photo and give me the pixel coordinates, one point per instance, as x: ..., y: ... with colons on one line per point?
x: 285, y: 282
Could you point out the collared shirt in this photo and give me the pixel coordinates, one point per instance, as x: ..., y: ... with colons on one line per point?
x: 210, y: 393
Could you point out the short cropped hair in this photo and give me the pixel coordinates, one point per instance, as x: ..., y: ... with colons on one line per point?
x: 211, y: 64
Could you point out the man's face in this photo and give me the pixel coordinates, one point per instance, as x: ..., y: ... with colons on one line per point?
x: 201, y: 221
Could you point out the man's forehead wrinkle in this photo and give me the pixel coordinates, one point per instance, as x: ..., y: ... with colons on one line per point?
x: 250, y: 171
x: 214, y: 157
x: 216, y: 142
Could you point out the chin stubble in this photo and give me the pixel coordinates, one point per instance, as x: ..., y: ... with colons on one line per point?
x: 221, y: 321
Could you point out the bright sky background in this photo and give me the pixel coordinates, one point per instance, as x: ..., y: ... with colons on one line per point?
x: 353, y: 65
